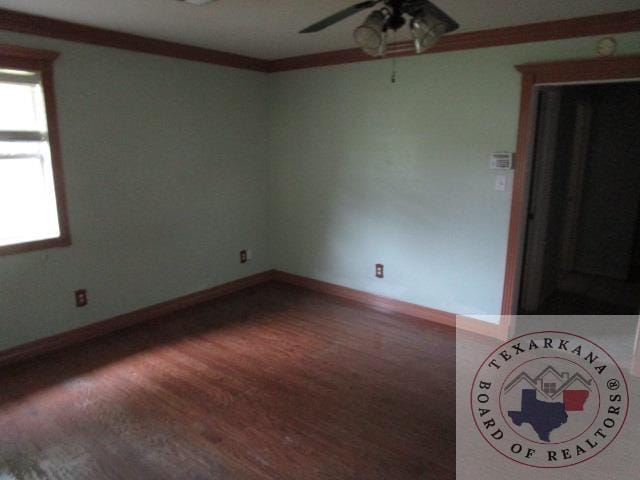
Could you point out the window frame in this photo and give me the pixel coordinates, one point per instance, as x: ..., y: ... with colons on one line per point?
x: 20, y: 58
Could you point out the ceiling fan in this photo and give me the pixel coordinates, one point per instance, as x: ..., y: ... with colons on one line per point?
x: 427, y: 22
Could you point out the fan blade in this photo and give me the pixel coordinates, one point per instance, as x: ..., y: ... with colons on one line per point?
x: 431, y: 9
x: 341, y: 15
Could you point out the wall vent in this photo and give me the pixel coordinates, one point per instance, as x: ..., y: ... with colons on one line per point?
x: 501, y: 161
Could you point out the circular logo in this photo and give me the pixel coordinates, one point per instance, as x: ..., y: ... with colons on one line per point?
x: 549, y: 399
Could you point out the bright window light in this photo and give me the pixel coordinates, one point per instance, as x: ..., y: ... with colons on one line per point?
x: 28, y: 209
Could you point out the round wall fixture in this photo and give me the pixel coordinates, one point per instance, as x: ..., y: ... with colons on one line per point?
x: 606, y: 47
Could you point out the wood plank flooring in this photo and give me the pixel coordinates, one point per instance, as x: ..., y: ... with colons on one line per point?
x: 271, y: 383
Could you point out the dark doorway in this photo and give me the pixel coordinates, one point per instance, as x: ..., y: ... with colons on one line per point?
x: 582, y: 250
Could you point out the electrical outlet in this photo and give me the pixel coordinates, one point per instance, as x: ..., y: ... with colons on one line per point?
x: 380, y: 270
x: 81, y: 298
x: 243, y: 256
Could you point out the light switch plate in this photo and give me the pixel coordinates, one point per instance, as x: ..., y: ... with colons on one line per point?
x: 501, y: 183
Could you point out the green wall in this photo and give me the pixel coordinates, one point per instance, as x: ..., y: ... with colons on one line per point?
x: 165, y: 180
x: 172, y: 167
x: 366, y: 171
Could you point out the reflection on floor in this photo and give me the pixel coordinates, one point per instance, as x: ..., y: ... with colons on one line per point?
x: 271, y: 383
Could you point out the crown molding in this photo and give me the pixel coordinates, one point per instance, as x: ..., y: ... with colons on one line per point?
x: 28, y: 53
x: 75, y: 32
x: 607, y: 24
x: 583, y: 70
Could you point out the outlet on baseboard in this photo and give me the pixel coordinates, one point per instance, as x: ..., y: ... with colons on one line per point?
x: 379, y: 270
x: 81, y: 298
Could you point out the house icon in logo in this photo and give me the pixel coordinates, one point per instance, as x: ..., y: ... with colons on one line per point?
x: 549, y: 383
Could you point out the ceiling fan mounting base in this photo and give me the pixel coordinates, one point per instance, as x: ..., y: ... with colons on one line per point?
x: 396, y: 22
x: 394, y: 9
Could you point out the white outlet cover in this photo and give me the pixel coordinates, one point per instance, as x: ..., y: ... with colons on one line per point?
x: 501, y: 183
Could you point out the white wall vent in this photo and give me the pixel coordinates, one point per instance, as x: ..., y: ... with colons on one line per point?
x: 501, y: 161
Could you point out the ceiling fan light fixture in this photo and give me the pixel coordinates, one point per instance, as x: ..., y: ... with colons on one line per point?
x: 428, y: 24
x: 426, y: 31
x: 380, y: 51
x: 370, y: 36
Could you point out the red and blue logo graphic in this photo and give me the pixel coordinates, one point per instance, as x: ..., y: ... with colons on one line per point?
x: 549, y: 399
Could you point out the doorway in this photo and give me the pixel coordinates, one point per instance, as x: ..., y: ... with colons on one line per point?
x: 581, y: 252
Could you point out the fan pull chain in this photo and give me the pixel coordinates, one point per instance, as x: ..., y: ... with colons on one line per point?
x: 394, y: 64
x: 394, y: 71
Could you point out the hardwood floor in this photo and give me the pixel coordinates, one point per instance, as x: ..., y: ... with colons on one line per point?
x: 271, y: 383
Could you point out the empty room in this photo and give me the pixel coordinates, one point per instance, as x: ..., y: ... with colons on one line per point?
x: 319, y: 241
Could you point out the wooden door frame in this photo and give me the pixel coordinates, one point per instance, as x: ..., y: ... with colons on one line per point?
x: 534, y: 75
x: 540, y: 198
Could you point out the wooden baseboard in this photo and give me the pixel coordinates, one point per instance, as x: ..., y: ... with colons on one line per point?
x: 387, y: 304
x: 487, y: 329
x: 377, y: 302
x: 79, y: 335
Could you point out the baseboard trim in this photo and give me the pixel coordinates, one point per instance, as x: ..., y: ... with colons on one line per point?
x: 377, y: 302
x: 372, y: 300
x: 83, y: 334
x: 387, y: 304
x: 487, y: 329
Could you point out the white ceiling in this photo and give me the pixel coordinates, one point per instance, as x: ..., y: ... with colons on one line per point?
x: 268, y: 29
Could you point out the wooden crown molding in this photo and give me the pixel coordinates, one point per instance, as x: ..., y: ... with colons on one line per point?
x: 28, y: 53
x: 534, y: 32
x: 606, y: 68
x: 607, y: 24
x: 48, y: 27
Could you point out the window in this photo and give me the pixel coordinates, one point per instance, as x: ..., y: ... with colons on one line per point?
x: 549, y: 388
x: 32, y: 214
